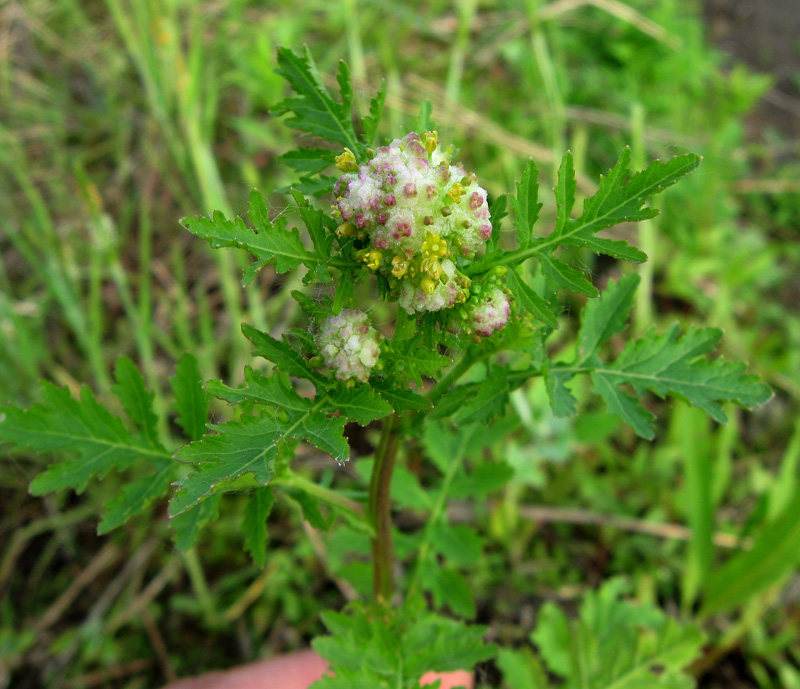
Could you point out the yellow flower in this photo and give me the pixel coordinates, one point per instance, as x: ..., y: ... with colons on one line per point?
x: 346, y: 162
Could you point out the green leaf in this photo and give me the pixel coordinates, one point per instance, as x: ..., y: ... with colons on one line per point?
x: 626, y: 407
x: 62, y: 424
x: 254, y: 524
x: 526, y: 204
x: 562, y: 401
x: 320, y: 228
x: 486, y: 400
x: 521, y: 669
x: 561, y: 276
x: 668, y: 365
x: 617, y: 645
x: 137, y: 401
x: 605, y: 317
x: 135, y: 496
x: 308, y: 160
x: 269, y: 242
x: 360, y: 404
x: 309, y: 505
x: 191, y: 401
x: 565, y: 192
x: 325, y: 433
x: 400, y: 397
x: 274, y: 390
x: 370, y: 123
x: 775, y: 554
x: 497, y: 211
x: 448, y: 588
x: 345, y: 290
x: 616, y: 202
x: 459, y: 544
x: 187, y: 525
x: 240, y: 447
x: 281, y: 354
x: 414, y: 359
x: 529, y: 300
x: 313, y: 110
x: 373, y: 646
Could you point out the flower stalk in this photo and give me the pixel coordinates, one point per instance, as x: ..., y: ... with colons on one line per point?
x: 379, y: 510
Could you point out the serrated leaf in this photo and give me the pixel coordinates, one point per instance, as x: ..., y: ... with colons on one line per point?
x: 526, y: 204
x: 529, y: 300
x: 319, y: 309
x: 617, y: 201
x: 238, y: 448
x: 360, y: 404
x: 562, y: 401
x: 187, y: 525
x: 668, y: 365
x: 320, y: 228
x: 281, y: 354
x: 308, y: 160
x: 274, y: 390
x: 60, y: 424
x: 136, y: 400
x: 309, y: 505
x: 401, y: 398
x: 191, y: 401
x: 325, y: 433
x: 497, y: 211
x: 561, y: 276
x: 626, y: 407
x: 485, y: 478
x: 313, y: 110
x: 448, y: 588
x: 487, y: 400
x: 345, y: 290
x: 415, y: 359
x: 254, y: 524
x: 376, y: 647
x: 605, y: 317
x: 565, y: 192
x: 370, y: 123
x: 617, y: 645
x: 136, y: 495
x: 269, y: 242
x: 459, y: 544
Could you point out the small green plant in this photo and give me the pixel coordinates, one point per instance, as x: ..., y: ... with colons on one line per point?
x: 414, y: 236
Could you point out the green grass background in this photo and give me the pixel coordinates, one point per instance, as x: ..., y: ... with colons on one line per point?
x: 118, y: 117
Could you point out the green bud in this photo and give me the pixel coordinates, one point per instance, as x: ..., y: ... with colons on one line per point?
x: 500, y: 270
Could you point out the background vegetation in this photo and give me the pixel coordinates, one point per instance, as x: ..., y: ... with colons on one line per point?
x: 119, y: 117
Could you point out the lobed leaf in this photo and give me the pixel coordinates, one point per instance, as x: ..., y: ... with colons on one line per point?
x: 529, y: 300
x: 281, y: 354
x: 191, y: 401
x: 240, y: 447
x: 360, y: 404
x: 254, y: 524
x: 274, y: 390
x: 313, y: 111
x: 526, y: 204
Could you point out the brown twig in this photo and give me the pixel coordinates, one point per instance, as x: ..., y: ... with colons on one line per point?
x: 102, y: 560
x: 577, y: 516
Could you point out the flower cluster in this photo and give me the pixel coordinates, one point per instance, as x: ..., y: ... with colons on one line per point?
x: 490, y: 313
x: 416, y: 214
x: 349, y: 345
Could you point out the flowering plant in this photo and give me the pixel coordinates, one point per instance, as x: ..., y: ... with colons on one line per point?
x: 413, y: 233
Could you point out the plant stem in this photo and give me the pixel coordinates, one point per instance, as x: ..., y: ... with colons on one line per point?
x: 379, y: 510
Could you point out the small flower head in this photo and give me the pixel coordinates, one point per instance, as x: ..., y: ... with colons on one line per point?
x: 489, y: 311
x: 349, y: 345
